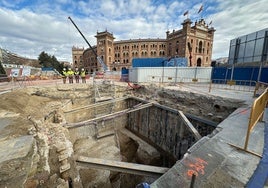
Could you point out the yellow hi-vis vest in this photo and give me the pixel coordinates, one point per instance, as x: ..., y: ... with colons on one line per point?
x: 83, y: 74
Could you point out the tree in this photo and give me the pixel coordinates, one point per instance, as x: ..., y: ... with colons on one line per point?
x: 2, y: 70
x: 49, y: 61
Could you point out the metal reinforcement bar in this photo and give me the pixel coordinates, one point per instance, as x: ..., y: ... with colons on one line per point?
x: 131, y: 168
x: 109, y: 116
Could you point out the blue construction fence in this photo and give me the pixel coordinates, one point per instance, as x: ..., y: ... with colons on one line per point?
x: 249, y: 74
x: 124, y: 75
x: 160, y: 62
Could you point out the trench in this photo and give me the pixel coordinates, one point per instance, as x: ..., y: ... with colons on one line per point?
x: 133, y: 130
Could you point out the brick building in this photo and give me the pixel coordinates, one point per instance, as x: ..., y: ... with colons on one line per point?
x: 77, y: 56
x: 193, y: 42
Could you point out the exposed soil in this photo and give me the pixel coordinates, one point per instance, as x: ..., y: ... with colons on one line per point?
x: 38, y: 111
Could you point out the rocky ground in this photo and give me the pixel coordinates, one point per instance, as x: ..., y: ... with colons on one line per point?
x: 37, y: 111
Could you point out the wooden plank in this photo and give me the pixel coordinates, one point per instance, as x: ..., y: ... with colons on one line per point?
x: 122, y: 112
x: 190, y: 126
x: 95, y: 105
x: 132, y: 168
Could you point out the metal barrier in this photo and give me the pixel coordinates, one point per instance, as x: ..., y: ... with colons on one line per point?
x: 256, y: 115
x: 239, y: 85
x: 11, y: 83
x: 112, y: 75
x: 175, y: 80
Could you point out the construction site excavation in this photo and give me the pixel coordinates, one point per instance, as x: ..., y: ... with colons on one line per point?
x: 102, y: 133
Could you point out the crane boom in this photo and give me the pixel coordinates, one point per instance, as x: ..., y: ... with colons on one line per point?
x: 98, y: 58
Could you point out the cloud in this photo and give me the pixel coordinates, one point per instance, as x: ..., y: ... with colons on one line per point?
x: 234, y: 19
x: 43, y: 25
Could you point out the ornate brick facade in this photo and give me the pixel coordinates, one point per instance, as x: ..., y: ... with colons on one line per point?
x: 194, y: 42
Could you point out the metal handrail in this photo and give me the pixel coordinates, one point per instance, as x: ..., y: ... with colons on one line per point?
x: 240, y: 85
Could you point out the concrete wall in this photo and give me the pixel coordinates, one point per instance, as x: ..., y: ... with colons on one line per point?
x: 162, y: 127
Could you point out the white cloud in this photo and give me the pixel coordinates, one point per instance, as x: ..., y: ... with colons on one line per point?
x: 44, y: 27
x: 237, y: 18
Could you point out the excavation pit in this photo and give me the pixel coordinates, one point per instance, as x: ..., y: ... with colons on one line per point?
x: 150, y: 126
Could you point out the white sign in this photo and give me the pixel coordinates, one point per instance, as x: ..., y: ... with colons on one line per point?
x: 14, y: 72
x: 26, y: 72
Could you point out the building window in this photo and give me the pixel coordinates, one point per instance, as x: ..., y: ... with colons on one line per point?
x: 200, y: 47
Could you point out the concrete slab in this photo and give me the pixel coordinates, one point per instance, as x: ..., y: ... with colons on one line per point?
x: 16, y: 160
x: 15, y: 148
x: 260, y: 176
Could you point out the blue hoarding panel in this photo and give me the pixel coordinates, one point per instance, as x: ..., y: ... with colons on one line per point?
x: 124, y: 71
x: 176, y: 62
x: 240, y: 73
x: 148, y: 62
x: 160, y: 62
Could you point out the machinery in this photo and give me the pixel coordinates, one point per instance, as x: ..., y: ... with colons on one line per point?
x: 99, y: 59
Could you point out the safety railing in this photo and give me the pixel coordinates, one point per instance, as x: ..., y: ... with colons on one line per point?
x: 112, y: 75
x: 238, y: 85
x: 256, y: 114
x: 12, y: 83
x: 171, y: 79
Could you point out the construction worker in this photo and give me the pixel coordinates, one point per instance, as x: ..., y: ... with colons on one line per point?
x: 83, y: 75
x: 70, y: 75
x: 76, y: 75
x: 64, y: 75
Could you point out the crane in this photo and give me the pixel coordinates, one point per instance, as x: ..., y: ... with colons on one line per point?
x: 190, y: 52
x: 104, y: 66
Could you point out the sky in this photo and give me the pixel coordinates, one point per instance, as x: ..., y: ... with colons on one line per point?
x: 29, y: 27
